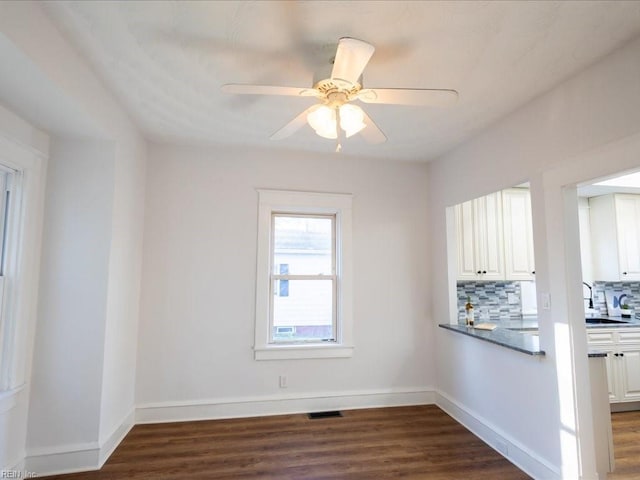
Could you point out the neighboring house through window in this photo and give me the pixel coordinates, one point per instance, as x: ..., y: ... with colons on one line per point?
x: 303, y: 297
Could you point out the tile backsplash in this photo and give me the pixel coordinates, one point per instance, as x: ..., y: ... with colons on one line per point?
x: 492, y: 299
x: 632, y: 289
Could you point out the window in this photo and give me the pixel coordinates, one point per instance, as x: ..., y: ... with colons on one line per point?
x: 303, y: 289
x: 303, y: 304
x: 8, y: 227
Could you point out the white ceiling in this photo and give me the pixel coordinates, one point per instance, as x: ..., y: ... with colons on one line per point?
x: 165, y: 61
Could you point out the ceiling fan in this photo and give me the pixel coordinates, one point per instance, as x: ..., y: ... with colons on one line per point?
x: 335, y: 116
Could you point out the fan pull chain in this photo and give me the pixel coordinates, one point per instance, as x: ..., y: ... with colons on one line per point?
x: 338, y: 131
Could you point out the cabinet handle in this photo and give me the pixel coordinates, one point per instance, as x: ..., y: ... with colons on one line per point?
x: 615, y: 354
x: 533, y: 273
x: 624, y: 273
x: 478, y: 272
x: 622, y: 354
x: 484, y: 271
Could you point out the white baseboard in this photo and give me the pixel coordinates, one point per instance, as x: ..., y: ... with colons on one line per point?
x: 77, y: 457
x: 286, y: 404
x: 108, y: 445
x: 63, y: 459
x: 508, y: 447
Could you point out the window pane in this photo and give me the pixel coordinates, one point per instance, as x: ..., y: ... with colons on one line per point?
x: 305, y: 313
x: 303, y: 244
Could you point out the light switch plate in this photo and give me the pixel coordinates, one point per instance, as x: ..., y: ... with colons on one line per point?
x: 546, y: 301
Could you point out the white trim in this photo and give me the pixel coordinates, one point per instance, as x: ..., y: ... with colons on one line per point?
x: 507, y: 446
x: 108, y: 446
x: 63, y: 459
x: 210, y: 409
x: 77, y: 457
x: 338, y: 204
x: 284, y: 352
x: 8, y: 398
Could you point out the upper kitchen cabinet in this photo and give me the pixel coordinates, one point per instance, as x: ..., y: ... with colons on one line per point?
x: 495, y: 238
x: 480, y: 238
x: 615, y: 237
x: 518, y: 234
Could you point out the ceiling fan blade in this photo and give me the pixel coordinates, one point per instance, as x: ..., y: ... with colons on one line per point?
x: 409, y: 96
x: 372, y: 132
x: 269, y: 90
x: 351, y: 58
x: 293, y: 126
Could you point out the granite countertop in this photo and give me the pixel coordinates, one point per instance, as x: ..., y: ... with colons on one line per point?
x: 625, y: 322
x: 521, y: 334
x: 516, y: 340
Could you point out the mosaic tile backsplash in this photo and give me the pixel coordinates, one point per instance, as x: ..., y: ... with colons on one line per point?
x: 632, y: 289
x: 491, y: 300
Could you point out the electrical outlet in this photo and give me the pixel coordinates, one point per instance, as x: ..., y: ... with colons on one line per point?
x: 282, y: 381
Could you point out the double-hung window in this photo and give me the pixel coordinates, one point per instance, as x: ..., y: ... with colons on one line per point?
x: 303, y: 296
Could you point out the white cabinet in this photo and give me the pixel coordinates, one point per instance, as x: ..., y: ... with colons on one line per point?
x: 518, y: 234
x: 480, y: 239
x: 623, y: 361
x: 615, y: 237
x: 495, y: 237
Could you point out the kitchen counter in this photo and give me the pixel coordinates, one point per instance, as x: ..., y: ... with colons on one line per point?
x: 625, y: 322
x: 514, y: 339
x: 521, y: 334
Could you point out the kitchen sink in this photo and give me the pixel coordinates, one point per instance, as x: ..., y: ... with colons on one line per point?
x: 603, y: 321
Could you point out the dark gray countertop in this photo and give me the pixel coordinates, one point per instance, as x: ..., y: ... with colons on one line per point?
x: 515, y: 340
x: 626, y: 322
x: 521, y: 334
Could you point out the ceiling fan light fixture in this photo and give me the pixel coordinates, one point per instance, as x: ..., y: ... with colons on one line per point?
x: 351, y: 119
x: 323, y: 120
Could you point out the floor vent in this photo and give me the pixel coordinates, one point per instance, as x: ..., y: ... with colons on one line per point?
x: 332, y: 413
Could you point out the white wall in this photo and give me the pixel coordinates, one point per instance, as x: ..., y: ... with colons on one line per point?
x: 69, y: 343
x: 199, y: 276
x: 84, y: 363
x: 98, y: 171
x: 123, y: 295
x: 529, y: 402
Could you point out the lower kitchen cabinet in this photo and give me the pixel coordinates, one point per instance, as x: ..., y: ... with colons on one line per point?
x: 623, y: 361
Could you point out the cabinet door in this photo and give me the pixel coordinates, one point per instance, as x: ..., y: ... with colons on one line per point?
x: 466, y: 241
x: 612, y: 374
x: 628, y: 228
x: 629, y: 370
x: 518, y: 234
x: 490, y: 245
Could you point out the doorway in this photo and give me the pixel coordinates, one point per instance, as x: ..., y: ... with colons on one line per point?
x: 609, y: 252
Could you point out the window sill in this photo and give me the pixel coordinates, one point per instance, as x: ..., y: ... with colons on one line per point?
x: 296, y: 352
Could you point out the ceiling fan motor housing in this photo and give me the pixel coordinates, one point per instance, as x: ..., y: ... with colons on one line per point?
x: 337, y: 91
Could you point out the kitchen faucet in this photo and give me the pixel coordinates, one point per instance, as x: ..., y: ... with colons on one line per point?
x: 590, y: 294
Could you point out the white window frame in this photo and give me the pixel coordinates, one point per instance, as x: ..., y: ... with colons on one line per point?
x: 304, y: 203
x: 27, y: 164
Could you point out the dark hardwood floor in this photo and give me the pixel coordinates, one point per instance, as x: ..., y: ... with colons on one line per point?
x: 626, y: 445
x: 419, y: 442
